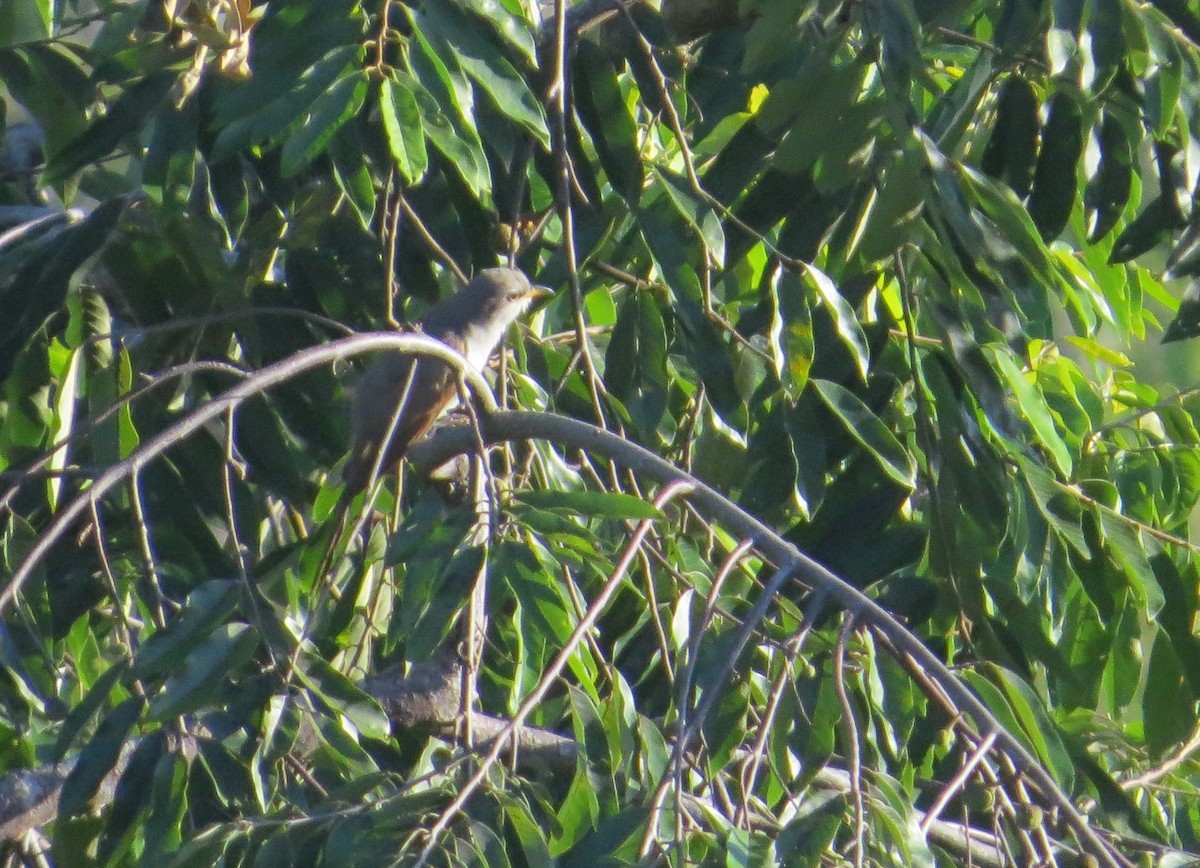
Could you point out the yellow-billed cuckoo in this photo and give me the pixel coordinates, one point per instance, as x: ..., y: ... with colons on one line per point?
x: 472, y: 321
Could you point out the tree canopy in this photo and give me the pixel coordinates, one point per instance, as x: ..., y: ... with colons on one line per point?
x: 824, y: 518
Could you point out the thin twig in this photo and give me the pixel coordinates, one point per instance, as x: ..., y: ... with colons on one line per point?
x: 391, y: 241
x: 853, y: 747
x: 956, y: 783
x: 431, y: 243
x: 561, y: 94
x: 1164, y: 768
x: 158, y: 611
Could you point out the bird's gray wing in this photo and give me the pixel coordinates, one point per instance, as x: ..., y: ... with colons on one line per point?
x: 401, y: 396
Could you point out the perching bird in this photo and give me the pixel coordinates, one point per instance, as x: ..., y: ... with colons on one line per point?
x: 472, y: 321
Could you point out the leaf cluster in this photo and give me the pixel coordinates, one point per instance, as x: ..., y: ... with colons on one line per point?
x: 868, y: 270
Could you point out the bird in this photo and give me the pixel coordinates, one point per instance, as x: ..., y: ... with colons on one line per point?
x: 473, y: 322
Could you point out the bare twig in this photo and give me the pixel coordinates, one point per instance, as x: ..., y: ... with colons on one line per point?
x: 957, y: 782
x: 561, y: 93
x: 430, y: 242
x: 853, y: 748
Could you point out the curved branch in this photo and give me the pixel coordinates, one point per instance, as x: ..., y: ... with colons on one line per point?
x: 505, y: 426
x: 268, y: 377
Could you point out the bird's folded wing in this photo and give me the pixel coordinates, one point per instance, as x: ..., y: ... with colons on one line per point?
x: 395, y: 403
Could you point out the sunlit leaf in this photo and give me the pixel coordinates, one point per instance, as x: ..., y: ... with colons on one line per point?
x: 869, y: 430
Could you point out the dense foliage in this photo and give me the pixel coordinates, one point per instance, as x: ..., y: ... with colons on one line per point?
x: 868, y: 269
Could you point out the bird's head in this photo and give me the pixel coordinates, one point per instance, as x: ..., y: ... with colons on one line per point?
x: 478, y: 315
x: 501, y: 295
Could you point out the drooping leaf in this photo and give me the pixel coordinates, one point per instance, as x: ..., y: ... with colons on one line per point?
x: 486, y: 66
x: 846, y: 321
x: 1145, y: 231
x: 207, y: 608
x: 1168, y: 705
x: 120, y: 123
x: 41, y: 284
x: 698, y: 213
x: 790, y: 335
x: 322, y: 121
x: 635, y: 367
x: 602, y: 108
x: 405, y: 134
x: 343, y: 696
x: 1055, y: 180
x: 461, y: 146
x: 99, y: 756
x: 1107, y: 193
x: 1011, y: 153
x: 1032, y: 406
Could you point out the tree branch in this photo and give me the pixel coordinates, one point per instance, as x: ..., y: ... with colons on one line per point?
x: 505, y: 426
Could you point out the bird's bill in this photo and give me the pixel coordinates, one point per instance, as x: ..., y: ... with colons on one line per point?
x: 539, y: 293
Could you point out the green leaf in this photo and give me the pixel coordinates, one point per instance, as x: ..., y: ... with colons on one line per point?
x: 205, y: 671
x: 1106, y: 42
x: 844, y: 318
x: 1186, y: 322
x: 1055, y: 180
x: 1146, y: 230
x: 602, y: 109
x: 122, y: 121
x: 82, y: 713
x: 1168, y: 704
x: 42, y: 282
x: 895, y: 23
x: 437, y: 598
x: 635, y: 364
x: 594, y: 504
x: 1108, y: 191
x: 869, y: 430
x: 1130, y: 553
x: 809, y: 144
x: 705, y: 347
x: 461, y: 146
x: 206, y: 608
x: 1018, y: 22
x: 1035, y: 724
x: 1163, y: 88
x: 543, y: 612
x: 698, y: 213
x: 1011, y: 152
x: 133, y: 790
x: 322, y: 120
x: 272, y: 121
x: 514, y: 29
x: 1033, y: 407
x: 25, y: 21
x: 530, y: 833
x: 99, y: 756
x: 342, y: 696
x: 405, y: 133
x: 170, y: 166
x: 486, y: 66
x: 352, y: 172
x: 790, y: 335
x: 70, y: 390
